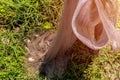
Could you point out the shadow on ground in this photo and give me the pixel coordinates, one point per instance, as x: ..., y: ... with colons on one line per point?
x: 78, y: 59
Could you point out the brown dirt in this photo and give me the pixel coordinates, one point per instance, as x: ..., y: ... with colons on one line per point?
x: 36, y: 50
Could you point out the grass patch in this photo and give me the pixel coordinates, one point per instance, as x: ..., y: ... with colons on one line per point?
x: 11, y: 56
x: 29, y: 15
x: 19, y: 20
x: 105, y: 66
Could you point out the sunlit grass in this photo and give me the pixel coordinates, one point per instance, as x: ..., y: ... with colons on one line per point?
x: 11, y: 56
x: 19, y: 19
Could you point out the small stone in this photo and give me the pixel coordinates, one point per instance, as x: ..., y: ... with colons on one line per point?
x: 31, y: 59
x: 28, y: 41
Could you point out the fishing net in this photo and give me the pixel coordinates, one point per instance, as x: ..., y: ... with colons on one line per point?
x: 94, y: 23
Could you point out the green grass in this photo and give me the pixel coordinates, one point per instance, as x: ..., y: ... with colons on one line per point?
x: 105, y: 66
x: 29, y: 15
x: 11, y: 56
x: 19, y: 19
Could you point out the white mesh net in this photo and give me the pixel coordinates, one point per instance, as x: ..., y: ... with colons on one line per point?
x: 94, y: 23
